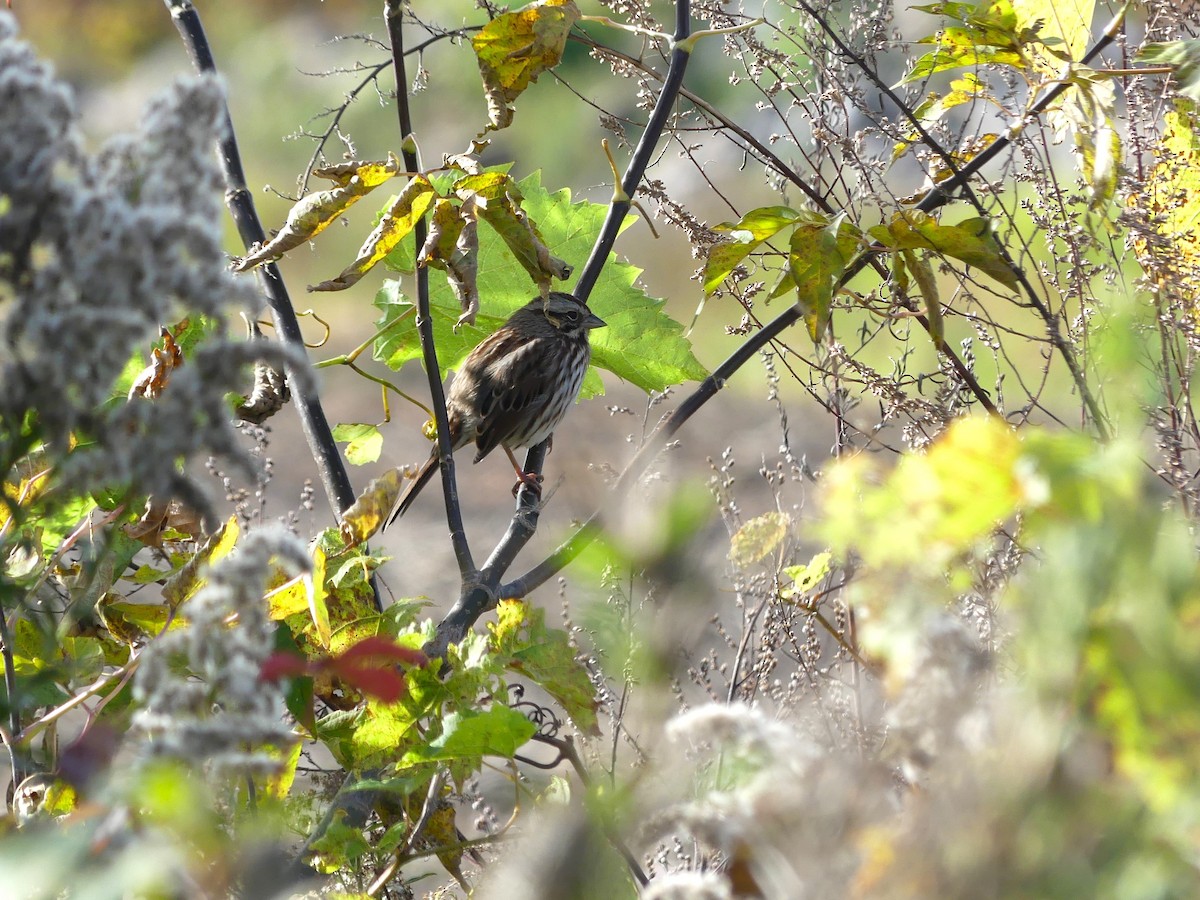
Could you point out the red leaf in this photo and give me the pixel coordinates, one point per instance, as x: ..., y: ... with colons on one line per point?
x: 384, y: 683
x: 282, y: 665
x: 381, y: 650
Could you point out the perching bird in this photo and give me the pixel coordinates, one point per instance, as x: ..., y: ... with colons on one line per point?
x: 515, y: 387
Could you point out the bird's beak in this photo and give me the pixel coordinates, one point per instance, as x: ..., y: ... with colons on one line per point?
x: 594, y: 321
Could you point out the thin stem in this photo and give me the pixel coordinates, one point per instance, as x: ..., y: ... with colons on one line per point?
x: 241, y: 206
x: 479, y: 596
x: 13, y: 699
x: 394, y: 15
x: 619, y: 208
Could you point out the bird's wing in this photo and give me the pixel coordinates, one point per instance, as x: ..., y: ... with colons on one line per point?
x: 515, y: 381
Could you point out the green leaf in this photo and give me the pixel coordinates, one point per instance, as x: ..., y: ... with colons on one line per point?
x: 363, y: 442
x: 545, y: 656
x: 807, y: 576
x: 1183, y: 57
x: 747, y: 234
x: 642, y: 344
x: 970, y: 241
x: 469, y: 735
x: 817, y: 258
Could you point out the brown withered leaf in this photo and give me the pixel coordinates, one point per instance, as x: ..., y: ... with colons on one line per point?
x: 453, y: 247
x: 497, y: 200
x: 404, y: 213
x: 515, y: 48
x: 161, y: 516
x: 313, y: 214
x: 152, y: 380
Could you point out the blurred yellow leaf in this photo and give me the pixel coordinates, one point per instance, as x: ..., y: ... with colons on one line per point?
x: 758, y: 537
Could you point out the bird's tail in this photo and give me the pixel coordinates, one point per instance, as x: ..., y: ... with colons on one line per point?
x: 410, y: 493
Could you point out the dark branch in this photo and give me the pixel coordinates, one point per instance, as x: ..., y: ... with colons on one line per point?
x: 394, y: 14
x: 241, y: 206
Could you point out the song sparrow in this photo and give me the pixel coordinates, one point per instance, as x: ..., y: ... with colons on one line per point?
x: 516, y: 386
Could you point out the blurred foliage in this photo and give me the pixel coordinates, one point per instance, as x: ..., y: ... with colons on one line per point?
x: 973, y: 670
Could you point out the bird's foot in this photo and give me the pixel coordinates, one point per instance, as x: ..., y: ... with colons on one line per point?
x: 532, y: 481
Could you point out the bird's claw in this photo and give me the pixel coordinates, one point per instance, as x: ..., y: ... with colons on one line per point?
x: 532, y: 481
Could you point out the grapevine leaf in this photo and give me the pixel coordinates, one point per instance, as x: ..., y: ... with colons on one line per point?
x: 370, y: 509
x: 363, y: 442
x: 758, y: 538
x: 469, y: 735
x: 970, y: 241
x: 545, y: 656
x: 817, y: 258
x: 641, y: 344
x: 747, y: 234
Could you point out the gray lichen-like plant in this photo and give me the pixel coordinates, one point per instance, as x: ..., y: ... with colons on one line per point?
x: 97, y: 253
x: 222, y: 714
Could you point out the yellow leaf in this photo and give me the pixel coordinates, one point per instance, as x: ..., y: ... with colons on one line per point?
x: 313, y: 214
x: 400, y: 218
x: 758, y: 537
x: 369, y: 511
x: 516, y: 47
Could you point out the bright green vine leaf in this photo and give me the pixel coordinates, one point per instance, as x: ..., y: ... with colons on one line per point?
x: 642, y: 344
x: 516, y: 47
x: 546, y: 657
x: 970, y: 241
x: 469, y: 735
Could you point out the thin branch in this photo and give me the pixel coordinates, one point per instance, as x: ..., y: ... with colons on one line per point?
x: 430, y: 804
x: 13, y: 698
x: 781, y: 168
x: 481, y: 596
x: 241, y: 206
x: 566, y: 748
x: 393, y: 11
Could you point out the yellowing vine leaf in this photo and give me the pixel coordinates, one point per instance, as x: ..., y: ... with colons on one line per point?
x: 516, y: 47
x: 1068, y: 21
x: 313, y: 214
x: 369, y: 510
x: 399, y: 219
x: 453, y: 246
x: 747, y: 235
x: 970, y: 241
x: 498, y: 200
